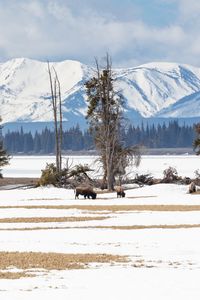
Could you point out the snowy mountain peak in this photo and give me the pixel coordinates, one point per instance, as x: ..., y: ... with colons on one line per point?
x: 152, y: 89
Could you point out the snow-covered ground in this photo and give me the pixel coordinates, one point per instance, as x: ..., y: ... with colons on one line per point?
x: 164, y: 252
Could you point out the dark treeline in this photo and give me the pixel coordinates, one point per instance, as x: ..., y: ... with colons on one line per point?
x: 162, y: 136
x: 44, y: 143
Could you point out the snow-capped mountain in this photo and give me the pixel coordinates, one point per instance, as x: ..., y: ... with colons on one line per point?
x: 25, y: 89
x: 186, y: 106
x: 150, y: 90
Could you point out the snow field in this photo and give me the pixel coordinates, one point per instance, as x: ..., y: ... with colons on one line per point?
x: 164, y: 263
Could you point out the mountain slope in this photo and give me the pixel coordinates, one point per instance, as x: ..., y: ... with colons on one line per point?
x: 154, y: 89
x: 188, y: 106
x: 25, y: 90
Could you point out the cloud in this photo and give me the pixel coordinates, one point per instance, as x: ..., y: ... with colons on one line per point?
x: 33, y: 8
x: 57, y: 30
x: 189, y: 9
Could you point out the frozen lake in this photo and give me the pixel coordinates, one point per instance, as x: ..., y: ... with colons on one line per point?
x: 31, y: 166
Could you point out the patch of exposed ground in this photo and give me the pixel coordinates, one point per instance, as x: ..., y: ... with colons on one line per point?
x: 14, y: 275
x: 196, y: 193
x: 55, y: 261
x: 113, y: 208
x: 131, y: 227
x: 20, y: 180
x: 141, y: 263
x: 136, y: 227
x: 50, y: 219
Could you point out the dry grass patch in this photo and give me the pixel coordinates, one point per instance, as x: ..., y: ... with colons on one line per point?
x: 55, y: 261
x: 37, y: 228
x: 136, y: 197
x: 136, y: 227
x: 50, y: 219
x: 14, y: 275
x: 196, y: 193
x: 131, y: 227
x: 113, y: 208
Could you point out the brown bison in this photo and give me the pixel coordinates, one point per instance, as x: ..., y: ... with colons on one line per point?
x: 120, y: 191
x: 85, y: 191
x: 192, y: 187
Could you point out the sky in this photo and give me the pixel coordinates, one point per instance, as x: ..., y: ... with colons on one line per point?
x: 133, y: 32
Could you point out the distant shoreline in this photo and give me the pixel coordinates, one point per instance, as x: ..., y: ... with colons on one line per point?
x: 145, y: 151
x: 169, y: 151
x: 14, y: 182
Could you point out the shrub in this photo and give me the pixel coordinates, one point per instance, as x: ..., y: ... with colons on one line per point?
x: 170, y: 175
x: 67, y: 177
x: 49, y: 175
x: 144, y: 179
x: 197, y: 177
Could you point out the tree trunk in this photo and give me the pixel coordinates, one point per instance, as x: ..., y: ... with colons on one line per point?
x: 110, y: 178
x: 57, y: 117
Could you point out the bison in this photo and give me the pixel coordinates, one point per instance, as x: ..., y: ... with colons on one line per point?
x: 86, y: 191
x: 120, y: 191
x: 192, y: 188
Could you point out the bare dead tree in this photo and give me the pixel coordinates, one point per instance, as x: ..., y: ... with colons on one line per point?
x: 57, y: 114
x: 60, y: 131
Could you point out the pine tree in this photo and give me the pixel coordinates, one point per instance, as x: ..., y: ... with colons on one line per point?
x: 104, y: 114
x: 37, y: 143
x: 4, y: 157
x: 105, y: 108
x: 196, y: 143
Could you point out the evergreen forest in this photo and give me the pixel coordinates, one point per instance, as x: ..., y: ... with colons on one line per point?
x: 171, y: 135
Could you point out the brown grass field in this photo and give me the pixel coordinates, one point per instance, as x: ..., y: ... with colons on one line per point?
x: 112, y: 208
x: 126, y: 227
x: 14, y: 275
x: 50, y: 219
x: 27, y: 261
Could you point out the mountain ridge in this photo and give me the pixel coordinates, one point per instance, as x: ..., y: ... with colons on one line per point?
x: 156, y: 89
